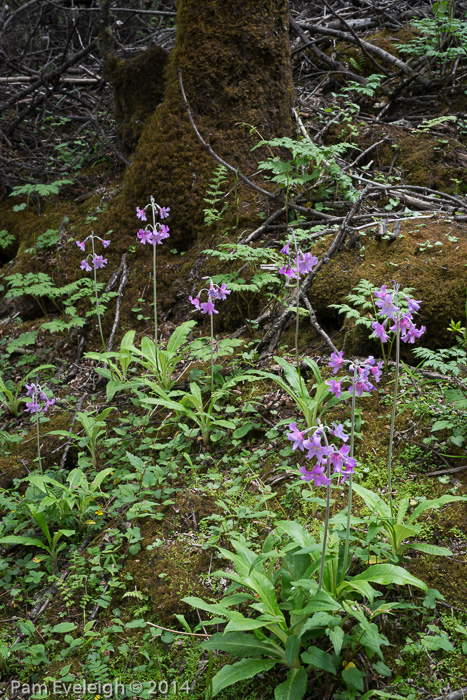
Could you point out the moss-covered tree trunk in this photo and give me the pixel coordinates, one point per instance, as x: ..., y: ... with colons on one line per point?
x: 235, y: 61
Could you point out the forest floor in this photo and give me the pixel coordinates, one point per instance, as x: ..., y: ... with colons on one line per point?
x: 162, y: 478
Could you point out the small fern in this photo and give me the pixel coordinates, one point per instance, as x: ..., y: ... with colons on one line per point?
x: 214, y: 194
x: 444, y: 361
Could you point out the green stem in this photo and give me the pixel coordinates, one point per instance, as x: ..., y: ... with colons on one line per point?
x: 297, y: 316
x: 212, y: 356
x: 349, y: 498
x: 97, y: 297
x: 393, y: 415
x: 38, y: 444
x: 154, y: 280
x: 326, y: 516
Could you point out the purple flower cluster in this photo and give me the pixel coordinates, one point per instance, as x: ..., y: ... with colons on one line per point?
x: 389, y: 308
x: 153, y: 233
x: 37, y: 395
x: 360, y: 376
x: 215, y: 292
x: 338, y: 458
x: 297, y: 264
x: 96, y: 261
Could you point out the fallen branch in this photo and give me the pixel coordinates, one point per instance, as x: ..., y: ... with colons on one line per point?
x: 49, y: 77
x: 376, y: 50
x: 123, y: 271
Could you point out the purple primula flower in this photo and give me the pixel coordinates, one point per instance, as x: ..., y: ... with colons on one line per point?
x: 30, y: 389
x: 370, y: 360
x: 105, y: 243
x: 387, y: 306
x: 48, y: 403
x: 288, y: 271
x: 337, y: 361
x: 195, y: 302
x: 376, y: 372
x: 380, y: 331
x: 286, y: 249
x: 98, y: 261
x: 349, y: 468
x: 405, y: 322
x: 317, y: 475
x: 207, y: 307
x: 413, y: 305
x: 85, y: 266
x: 381, y: 293
x: 223, y: 292
x: 33, y: 407
x: 338, y: 458
x: 413, y: 333
x: 338, y: 432
x: 306, y: 263
x: 216, y: 292
x: 315, y: 448
x: 335, y: 387
x: 141, y: 214
x: 144, y: 235
x: 81, y: 244
x: 361, y: 386
x: 296, y: 436
x: 164, y: 212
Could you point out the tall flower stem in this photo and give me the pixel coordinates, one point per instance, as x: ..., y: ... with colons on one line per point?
x: 39, y: 459
x: 154, y: 279
x: 297, y: 314
x: 393, y: 414
x: 349, y: 497
x: 212, y: 355
x: 97, y: 296
x: 326, y: 515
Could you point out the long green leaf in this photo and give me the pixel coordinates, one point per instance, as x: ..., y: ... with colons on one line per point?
x: 27, y: 541
x: 179, y: 336
x: 228, y: 675
x: 294, y: 687
x: 239, y: 644
x: 434, y: 503
x: 373, y: 501
x: 429, y: 549
x: 386, y: 574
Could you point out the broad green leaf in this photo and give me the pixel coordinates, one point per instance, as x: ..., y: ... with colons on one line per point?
x: 437, y: 642
x: 63, y: 627
x: 239, y: 644
x: 294, y: 687
x: 136, y: 462
x: 320, y: 659
x: 336, y: 635
x: 228, y: 675
x: 243, y: 624
x: 353, y: 678
x: 321, y: 601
